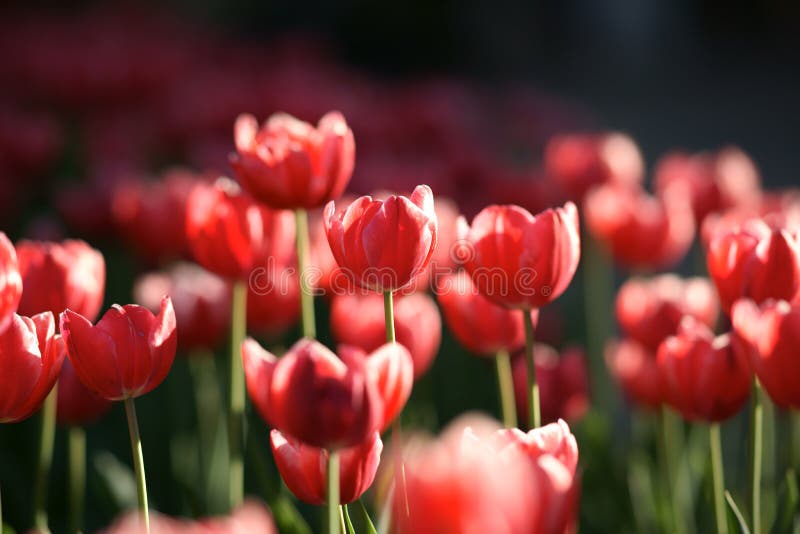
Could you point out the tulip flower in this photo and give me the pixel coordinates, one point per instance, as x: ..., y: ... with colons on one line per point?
x: 650, y: 310
x: 59, y: 276
x: 636, y: 369
x: 10, y: 282
x: 302, y: 467
x: 358, y: 320
x: 289, y: 164
x: 755, y: 261
x: 77, y: 405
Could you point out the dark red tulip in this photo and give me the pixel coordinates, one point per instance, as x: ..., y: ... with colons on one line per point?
x: 59, y: 276
x: 518, y: 260
x: 230, y: 234
x: 31, y: 361
x: 563, y: 384
x: 126, y: 354
x: 312, y: 395
x: 77, y: 405
x: 710, y: 181
x: 704, y: 378
x: 358, y: 320
x: 649, y: 310
x: 202, y: 303
x: 289, y: 164
x: 640, y: 231
x: 303, y: 468
x: 477, y: 323
x: 636, y: 370
x: 273, y: 306
x: 772, y: 333
x: 755, y: 261
x: 581, y: 161
x: 384, y: 245
x: 10, y: 281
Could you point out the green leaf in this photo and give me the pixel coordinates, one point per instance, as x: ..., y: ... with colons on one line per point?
x: 744, y: 529
x: 350, y: 529
x: 788, y: 501
x: 118, y: 480
x: 367, y: 520
x: 6, y: 529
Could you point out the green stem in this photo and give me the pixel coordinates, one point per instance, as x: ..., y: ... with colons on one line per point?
x: 332, y: 495
x: 718, y: 473
x: 388, y: 315
x: 306, y: 293
x: 756, y: 443
x: 598, y: 281
x: 505, y: 384
x: 207, y: 405
x: 138, y: 462
x: 77, y: 476
x: 669, y: 468
x: 534, y: 413
x: 236, y: 398
x: 47, y: 436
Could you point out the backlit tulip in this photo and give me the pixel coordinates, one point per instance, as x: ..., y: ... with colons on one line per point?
x: 10, y: 281
x: 755, y: 261
x: 640, y: 231
x: 704, y: 378
x: 519, y: 260
x: 384, y: 245
x: 302, y: 467
x: 59, y: 276
x: 772, y: 333
x: 312, y: 395
x: 77, y: 405
x: 636, y: 370
x: 126, y: 354
x: 358, y: 320
x: 649, y: 310
x: 289, y: 164
x: 477, y: 323
x: 230, y: 234
x: 31, y: 361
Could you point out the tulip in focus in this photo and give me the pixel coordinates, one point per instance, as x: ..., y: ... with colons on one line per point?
x: 10, y: 282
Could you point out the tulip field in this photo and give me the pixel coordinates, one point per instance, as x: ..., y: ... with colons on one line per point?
x: 251, y: 295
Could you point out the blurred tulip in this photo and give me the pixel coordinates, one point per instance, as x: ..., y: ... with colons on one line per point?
x: 755, y: 261
x: 772, y: 333
x: 636, y: 369
x: 581, y: 161
x: 10, y: 282
x: 59, y: 276
x: 230, y: 234
x: 358, y: 320
x: 126, y: 354
x: 273, y: 308
x: 325, y: 274
x: 384, y: 245
x: 77, y: 405
x: 479, y: 324
x: 650, y: 310
x: 289, y: 164
x: 563, y: 384
x: 704, y: 378
x: 312, y: 395
x: 31, y: 361
x: 640, y: 231
x: 202, y: 303
x: 519, y: 260
x: 444, y: 259
x: 302, y: 467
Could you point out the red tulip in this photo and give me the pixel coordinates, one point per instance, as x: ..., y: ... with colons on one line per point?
x: 274, y: 307
x: 580, y: 161
x: 358, y: 320
x: 518, y: 260
x: 563, y: 384
x: 10, y: 282
x: 31, y: 360
x: 479, y: 324
x: 649, y: 310
x: 289, y: 164
x: 126, y: 354
x: 77, y: 405
x: 639, y: 230
x: 59, y: 276
x: 636, y: 369
x: 312, y: 395
x: 772, y: 334
x: 384, y: 245
x: 445, y: 258
x: 303, y: 468
x: 704, y: 378
x: 202, y: 303
x: 755, y: 261
x: 324, y: 273
x: 230, y: 234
